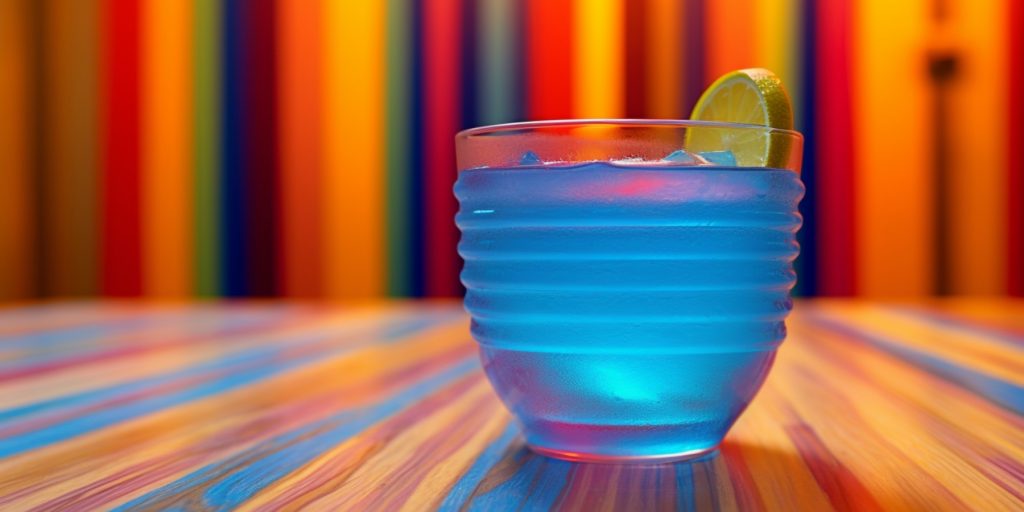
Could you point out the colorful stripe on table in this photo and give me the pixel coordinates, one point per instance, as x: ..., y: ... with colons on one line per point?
x: 270, y: 406
x: 266, y: 148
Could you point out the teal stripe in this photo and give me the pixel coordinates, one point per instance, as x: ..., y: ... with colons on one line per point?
x: 206, y: 141
x: 398, y: 146
x: 498, y: 93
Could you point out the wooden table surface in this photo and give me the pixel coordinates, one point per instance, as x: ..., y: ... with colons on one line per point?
x: 274, y: 406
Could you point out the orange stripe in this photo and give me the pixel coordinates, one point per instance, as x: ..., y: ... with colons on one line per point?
x: 166, y: 148
x: 353, y: 185
x: 16, y: 223
x: 598, y: 61
x: 978, y: 168
x: 730, y: 37
x: 665, y: 69
x: 299, y: 132
x: 892, y: 120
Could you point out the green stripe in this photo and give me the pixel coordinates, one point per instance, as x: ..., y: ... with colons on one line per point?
x: 397, y: 147
x: 206, y: 141
x: 496, y: 61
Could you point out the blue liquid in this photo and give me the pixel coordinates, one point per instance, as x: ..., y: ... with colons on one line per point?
x: 628, y: 312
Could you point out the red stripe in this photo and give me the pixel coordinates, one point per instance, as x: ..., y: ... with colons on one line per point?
x: 636, y: 60
x: 835, y: 164
x: 548, y: 59
x: 441, y: 107
x: 1015, y: 133
x: 121, y: 254
x: 260, y: 146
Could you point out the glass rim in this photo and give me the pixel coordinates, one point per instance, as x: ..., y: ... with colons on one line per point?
x: 627, y: 122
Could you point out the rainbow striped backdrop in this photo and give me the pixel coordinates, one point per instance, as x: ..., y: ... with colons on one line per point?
x: 174, y: 148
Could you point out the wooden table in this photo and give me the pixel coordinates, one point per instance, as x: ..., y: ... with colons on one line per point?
x: 374, y: 407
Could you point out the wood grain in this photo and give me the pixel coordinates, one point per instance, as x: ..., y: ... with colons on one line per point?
x: 382, y: 406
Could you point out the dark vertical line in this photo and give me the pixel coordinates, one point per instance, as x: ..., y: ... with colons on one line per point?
x: 260, y: 148
x: 1015, y: 158
x: 418, y: 284
x: 38, y: 127
x: 942, y: 68
x: 636, y: 59
x: 471, y: 36
x: 694, y: 22
x: 234, y: 261
x: 519, y: 62
x: 807, y: 263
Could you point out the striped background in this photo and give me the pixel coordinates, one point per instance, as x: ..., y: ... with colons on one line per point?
x: 176, y: 148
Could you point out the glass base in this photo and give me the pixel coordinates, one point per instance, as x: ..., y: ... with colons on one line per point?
x: 623, y: 444
x: 595, y: 458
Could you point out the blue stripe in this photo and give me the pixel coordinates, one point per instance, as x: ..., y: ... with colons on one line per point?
x: 685, y: 499
x: 271, y: 363
x: 73, y: 344
x: 237, y: 479
x: 234, y: 263
x: 536, y: 485
x: 464, y: 488
x: 807, y: 262
x: 1005, y: 394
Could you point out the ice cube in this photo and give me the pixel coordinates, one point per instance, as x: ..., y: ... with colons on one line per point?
x: 683, y: 157
x: 530, y: 158
x: 725, y: 158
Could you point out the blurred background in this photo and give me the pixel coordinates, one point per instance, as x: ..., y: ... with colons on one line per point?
x: 179, y: 148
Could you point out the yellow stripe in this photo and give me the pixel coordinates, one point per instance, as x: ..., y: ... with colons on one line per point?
x: 978, y: 209
x: 166, y: 148
x: 892, y: 119
x: 598, y: 89
x: 353, y: 171
x: 16, y: 228
x: 776, y: 28
x: 665, y: 44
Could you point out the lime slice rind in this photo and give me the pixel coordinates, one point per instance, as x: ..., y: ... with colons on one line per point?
x: 747, y: 96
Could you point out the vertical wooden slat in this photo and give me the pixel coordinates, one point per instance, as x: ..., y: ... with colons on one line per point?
x: 1015, y: 157
x: 549, y: 59
x: 69, y: 165
x: 978, y: 155
x: 730, y: 36
x: 441, y: 92
x: 666, y: 45
x: 637, y: 58
x: 598, y: 60
x: 894, y: 204
x: 299, y: 81
x: 262, y: 189
x: 353, y: 186
x: 17, y: 223
x: 206, y: 138
x: 166, y: 196
x: 499, y: 27
x: 121, y: 249
x: 399, y: 146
